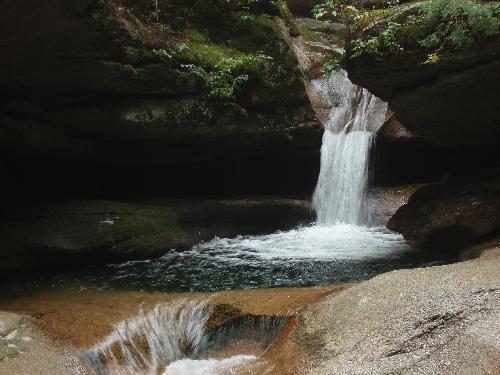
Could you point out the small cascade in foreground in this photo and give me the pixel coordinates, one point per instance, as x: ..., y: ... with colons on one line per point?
x: 173, y: 339
x: 341, y: 193
x: 151, y: 341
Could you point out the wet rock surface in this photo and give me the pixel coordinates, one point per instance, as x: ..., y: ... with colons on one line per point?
x: 452, y: 214
x: 52, y: 235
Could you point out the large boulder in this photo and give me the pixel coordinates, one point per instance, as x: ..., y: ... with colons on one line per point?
x: 434, y: 320
x: 452, y: 214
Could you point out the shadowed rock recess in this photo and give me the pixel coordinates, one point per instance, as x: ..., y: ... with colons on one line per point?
x: 110, y: 100
x: 97, y: 99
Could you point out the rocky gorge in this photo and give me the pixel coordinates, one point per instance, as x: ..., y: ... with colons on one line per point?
x: 162, y: 151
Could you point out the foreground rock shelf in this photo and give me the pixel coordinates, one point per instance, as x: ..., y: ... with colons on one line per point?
x: 438, y: 320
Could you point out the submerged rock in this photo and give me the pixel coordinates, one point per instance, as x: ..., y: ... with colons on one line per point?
x: 73, y: 233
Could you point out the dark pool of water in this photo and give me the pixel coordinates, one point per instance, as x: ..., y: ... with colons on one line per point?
x: 303, y: 257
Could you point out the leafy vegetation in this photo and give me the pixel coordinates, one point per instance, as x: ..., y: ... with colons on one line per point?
x: 225, y: 44
x: 455, y: 24
x: 384, y: 43
x: 228, y: 75
x: 436, y: 27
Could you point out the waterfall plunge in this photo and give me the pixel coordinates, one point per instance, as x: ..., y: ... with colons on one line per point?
x: 341, y: 193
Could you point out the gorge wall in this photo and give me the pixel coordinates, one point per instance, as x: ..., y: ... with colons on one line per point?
x: 98, y: 99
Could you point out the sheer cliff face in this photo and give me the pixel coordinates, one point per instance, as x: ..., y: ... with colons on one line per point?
x: 90, y: 107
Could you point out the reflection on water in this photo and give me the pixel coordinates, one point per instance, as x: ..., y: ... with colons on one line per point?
x: 314, y: 255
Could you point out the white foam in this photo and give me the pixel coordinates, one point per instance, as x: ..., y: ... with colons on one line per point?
x: 206, y: 366
x: 341, y: 242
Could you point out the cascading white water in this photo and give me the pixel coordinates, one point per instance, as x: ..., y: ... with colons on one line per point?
x: 341, y: 193
x: 150, y: 341
x: 172, y: 339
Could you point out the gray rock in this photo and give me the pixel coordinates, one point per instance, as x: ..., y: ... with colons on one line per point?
x: 9, y: 322
x: 453, y: 102
x: 439, y: 320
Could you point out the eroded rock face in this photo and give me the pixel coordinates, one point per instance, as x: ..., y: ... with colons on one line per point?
x: 451, y: 215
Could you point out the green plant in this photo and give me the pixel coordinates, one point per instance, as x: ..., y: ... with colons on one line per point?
x: 432, y: 58
x: 332, y: 65
x: 389, y: 38
x: 456, y: 24
x: 159, y: 54
x: 438, y: 26
x: 385, y: 43
x: 247, y: 18
x: 228, y: 75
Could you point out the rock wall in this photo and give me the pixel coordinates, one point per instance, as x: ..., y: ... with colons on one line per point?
x: 450, y: 109
x: 91, y: 107
x: 452, y: 102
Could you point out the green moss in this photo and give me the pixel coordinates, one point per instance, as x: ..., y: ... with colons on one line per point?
x: 255, y: 34
x: 206, y: 54
x: 196, y: 36
x: 288, y: 17
x: 146, y: 228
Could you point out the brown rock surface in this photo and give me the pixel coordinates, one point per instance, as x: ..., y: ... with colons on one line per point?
x: 452, y: 214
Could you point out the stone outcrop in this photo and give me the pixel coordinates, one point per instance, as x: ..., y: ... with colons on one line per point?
x: 447, y: 109
x: 451, y: 214
x: 434, y: 320
x: 453, y: 102
x: 25, y: 350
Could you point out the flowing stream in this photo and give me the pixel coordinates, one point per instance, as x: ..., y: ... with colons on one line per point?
x: 341, y: 246
x: 173, y: 339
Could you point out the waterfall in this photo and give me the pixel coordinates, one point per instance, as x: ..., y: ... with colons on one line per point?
x: 173, y: 339
x: 341, y: 193
x: 151, y: 341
